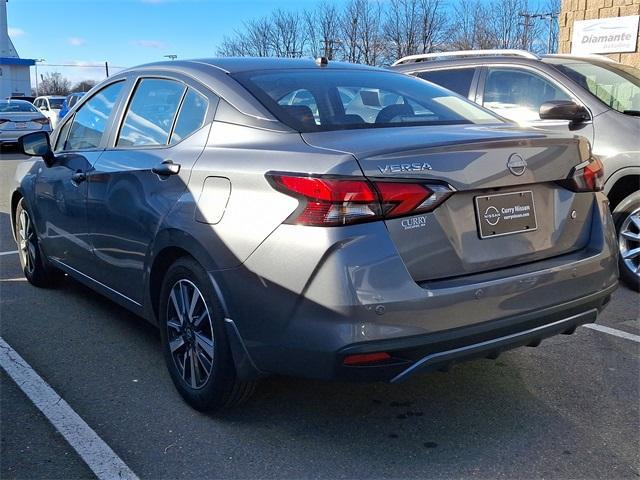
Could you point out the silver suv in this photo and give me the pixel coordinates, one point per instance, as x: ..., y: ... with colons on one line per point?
x: 591, y: 96
x: 316, y: 219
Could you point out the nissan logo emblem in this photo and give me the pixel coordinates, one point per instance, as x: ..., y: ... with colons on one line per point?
x: 516, y: 165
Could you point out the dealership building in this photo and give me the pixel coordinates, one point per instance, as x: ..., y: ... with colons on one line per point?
x: 607, y: 27
x: 15, y: 72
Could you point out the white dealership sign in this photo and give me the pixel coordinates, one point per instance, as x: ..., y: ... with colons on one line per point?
x: 606, y: 35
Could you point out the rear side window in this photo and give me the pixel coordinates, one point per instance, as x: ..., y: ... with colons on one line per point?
x: 151, y: 113
x: 191, y: 117
x: 457, y: 80
x: 91, y: 119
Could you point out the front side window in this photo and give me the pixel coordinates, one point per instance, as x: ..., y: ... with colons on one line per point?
x: 518, y: 94
x: 457, y: 80
x: 618, y: 86
x: 91, y: 119
x: 193, y: 113
x: 324, y: 100
x: 151, y: 113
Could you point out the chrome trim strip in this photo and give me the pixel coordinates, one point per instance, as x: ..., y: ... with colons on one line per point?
x: 486, y: 345
x: 65, y: 266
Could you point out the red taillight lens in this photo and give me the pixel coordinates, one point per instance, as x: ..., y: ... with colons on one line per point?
x: 41, y: 121
x: 586, y: 178
x: 328, y: 202
x: 332, y: 201
x: 366, y: 358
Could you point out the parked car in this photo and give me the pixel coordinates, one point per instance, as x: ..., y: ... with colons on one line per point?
x: 263, y: 239
x: 69, y: 102
x: 50, y: 106
x: 591, y: 96
x: 18, y: 117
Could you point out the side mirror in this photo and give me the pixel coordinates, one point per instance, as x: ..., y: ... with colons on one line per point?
x: 563, y: 110
x: 37, y: 144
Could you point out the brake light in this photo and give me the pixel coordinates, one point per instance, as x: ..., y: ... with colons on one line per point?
x: 336, y: 201
x: 41, y: 121
x: 586, y: 177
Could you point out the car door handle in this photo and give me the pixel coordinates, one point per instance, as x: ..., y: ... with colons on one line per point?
x: 166, y: 168
x: 78, y: 177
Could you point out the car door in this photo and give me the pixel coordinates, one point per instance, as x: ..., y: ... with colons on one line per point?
x: 136, y: 182
x: 61, y: 190
x: 516, y: 93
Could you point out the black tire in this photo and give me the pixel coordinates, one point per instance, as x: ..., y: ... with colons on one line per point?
x: 623, y: 215
x: 221, y: 388
x: 34, y: 265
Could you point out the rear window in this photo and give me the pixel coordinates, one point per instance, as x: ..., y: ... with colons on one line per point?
x: 457, y: 80
x: 18, y: 106
x: 56, y: 103
x: 323, y: 100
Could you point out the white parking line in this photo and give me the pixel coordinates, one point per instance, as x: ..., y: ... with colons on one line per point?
x: 92, y: 449
x: 613, y: 331
x: 13, y: 252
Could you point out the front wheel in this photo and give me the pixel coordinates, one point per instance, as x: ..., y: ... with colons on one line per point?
x: 31, y: 259
x: 627, y: 220
x: 194, y: 340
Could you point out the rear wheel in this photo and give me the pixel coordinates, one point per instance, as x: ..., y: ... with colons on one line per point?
x: 194, y: 340
x: 627, y: 220
x: 33, y: 264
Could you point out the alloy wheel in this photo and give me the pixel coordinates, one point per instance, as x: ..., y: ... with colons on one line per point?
x: 26, y: 242
x: 190, y: 333
x: 629, y: 240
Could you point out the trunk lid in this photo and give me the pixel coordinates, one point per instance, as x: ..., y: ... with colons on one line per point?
x: 483, y: 164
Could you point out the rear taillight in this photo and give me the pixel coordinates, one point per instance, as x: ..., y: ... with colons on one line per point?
x: 41, y: 121
x: 586, y: 177
x: 338, y: 201
x: 3, y: 120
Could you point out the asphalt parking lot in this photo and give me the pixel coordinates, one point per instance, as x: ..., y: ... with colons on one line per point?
x: 567, y: 409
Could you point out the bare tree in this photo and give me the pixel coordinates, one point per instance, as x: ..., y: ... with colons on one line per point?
x: 506, y: 23
x: 84, y: 86
x: 53, y: 83
x: 433, y: 23
x: 322, y: 26
x: 287, y: 35
x: 370, y: 36
x: 350, y: 30
x: 401, y: 28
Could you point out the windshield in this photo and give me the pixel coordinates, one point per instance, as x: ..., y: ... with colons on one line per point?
x: 56, y: 103
x: 618, y: 86
x: 322, y: 100
x: 17, y: 106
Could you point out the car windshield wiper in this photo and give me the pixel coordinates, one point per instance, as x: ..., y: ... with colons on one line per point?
x: 635, y: 113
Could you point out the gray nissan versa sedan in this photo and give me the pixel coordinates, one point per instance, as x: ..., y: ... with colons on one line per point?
x: 315, y: 219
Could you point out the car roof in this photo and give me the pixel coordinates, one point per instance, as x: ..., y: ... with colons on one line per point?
x: 15, y: 100
x: 245, y: 64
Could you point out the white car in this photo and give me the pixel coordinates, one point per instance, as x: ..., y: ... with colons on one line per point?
x: 50, y: 106
x: 17, y: 118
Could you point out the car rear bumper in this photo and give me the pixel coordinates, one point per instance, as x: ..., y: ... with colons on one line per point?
x: 358, y: 297
x: 441, y: 351
x: 12, y: 136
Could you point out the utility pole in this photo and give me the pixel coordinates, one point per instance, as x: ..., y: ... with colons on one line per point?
x: 39, y: 60
x: 527, y: 24
x: 551, y: 16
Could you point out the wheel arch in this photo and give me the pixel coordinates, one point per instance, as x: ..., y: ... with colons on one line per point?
x: 15, y: 198
x: 621, y: 184
x: 169, y: 246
